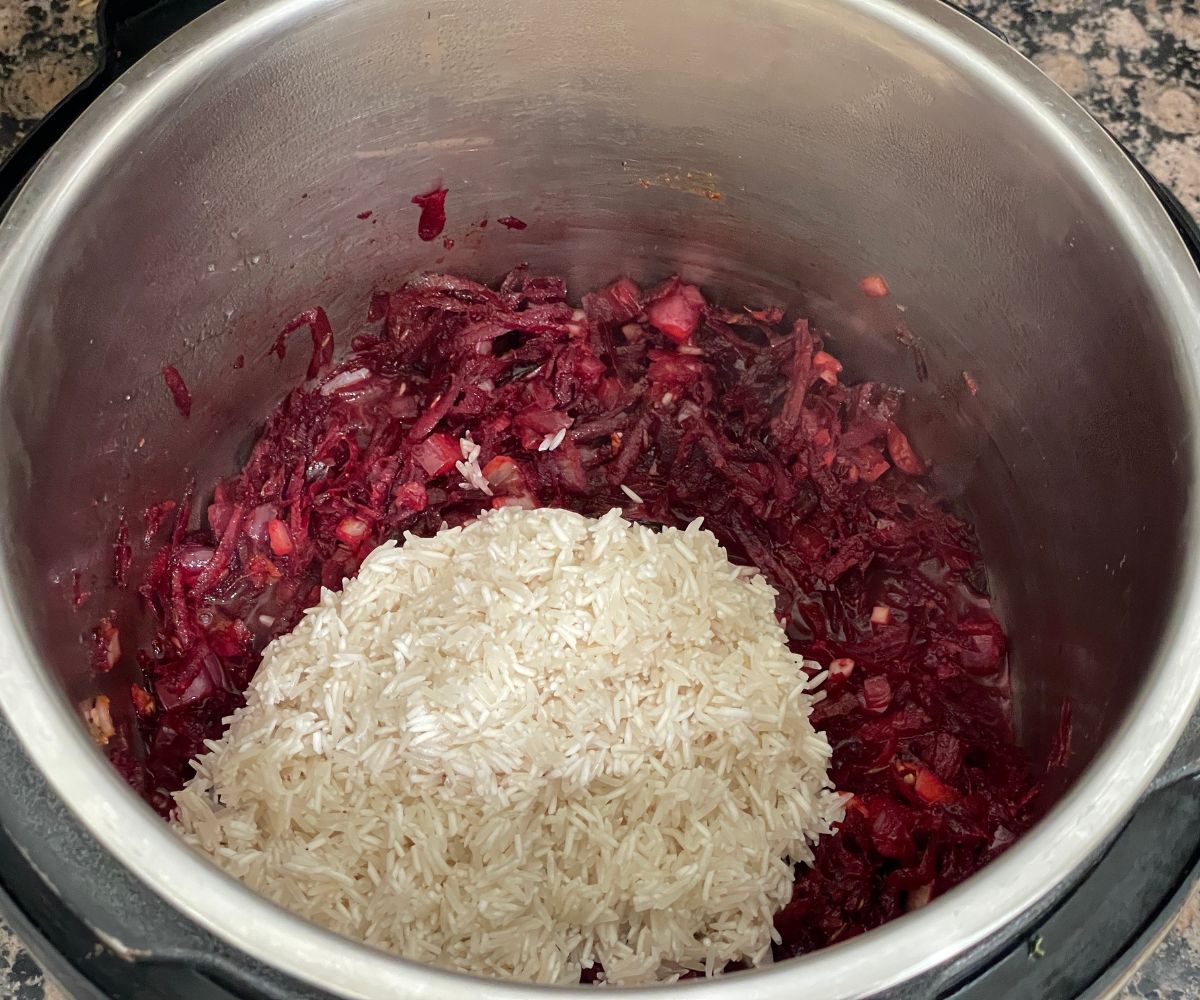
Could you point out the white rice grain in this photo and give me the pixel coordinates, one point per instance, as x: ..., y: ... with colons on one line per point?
x: 468, y: 468
x: 528, y: 745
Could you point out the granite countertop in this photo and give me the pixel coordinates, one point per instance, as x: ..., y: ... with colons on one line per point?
x: 1135, y: 64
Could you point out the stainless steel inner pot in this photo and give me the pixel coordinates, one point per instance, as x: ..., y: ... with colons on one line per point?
x: 773, y: 150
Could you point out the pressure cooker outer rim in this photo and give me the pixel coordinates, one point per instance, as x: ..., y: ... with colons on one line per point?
x: 1073, y: 831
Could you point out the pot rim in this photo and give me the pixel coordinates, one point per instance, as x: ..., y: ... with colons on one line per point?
x: 1058, y: 845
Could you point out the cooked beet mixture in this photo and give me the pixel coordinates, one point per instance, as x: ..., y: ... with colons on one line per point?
x: 668, y: 407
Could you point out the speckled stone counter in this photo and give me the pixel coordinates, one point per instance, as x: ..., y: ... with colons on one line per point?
x: 46, y: 48
x: 1135, y: 65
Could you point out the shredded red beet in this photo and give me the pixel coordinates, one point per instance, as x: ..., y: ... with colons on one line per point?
x: 433, y: 213
x: 322, y: 339
x: 698, y: 410
x: 512, y: 222
x: 155, y: 516
x: 178, y: 389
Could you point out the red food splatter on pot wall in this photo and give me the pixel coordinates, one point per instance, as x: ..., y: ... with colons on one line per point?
x: 154, y: 516
x: 322, y: 339
x: 377, y: 308
x: 512, y: 222
x: 79, y: 596
x: 122, y: 553
x: 433, y: 213
x: 143, y: 701
x: 178, y: 389
x: 732, y: 415
x: 920, y: 362
x: 106, y: 644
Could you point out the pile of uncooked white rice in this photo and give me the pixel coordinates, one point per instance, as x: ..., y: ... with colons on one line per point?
x: 525, y: 746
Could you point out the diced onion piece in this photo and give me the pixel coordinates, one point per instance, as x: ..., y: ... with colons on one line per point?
x: 98, y: 716
x: 352, y: 530
x: 107, y: 645
x: 437, y: 454
x: 257, y: 528
x: 524, y: 502
x: 843, y: 666
x: 500, y: 470
x: 826, y: 367
x: 919, y: 897
x: 143, y: 700
x: 1001, y: 838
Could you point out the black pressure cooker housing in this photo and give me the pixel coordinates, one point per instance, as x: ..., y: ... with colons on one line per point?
x: 100, y: 933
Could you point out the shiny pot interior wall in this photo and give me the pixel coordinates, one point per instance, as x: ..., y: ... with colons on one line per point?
x: 773, y: 152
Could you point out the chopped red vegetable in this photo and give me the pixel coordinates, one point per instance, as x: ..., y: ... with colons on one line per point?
x: 675, y: 309
x: 696, y: 410
x: 279, y: 537
x: 437, y: 454
x: 930, y: 789
x: 874, y: 287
